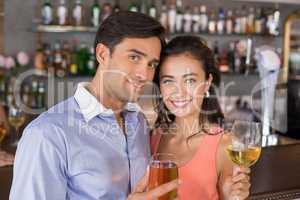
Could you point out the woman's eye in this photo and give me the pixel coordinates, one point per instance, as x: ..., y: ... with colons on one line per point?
x: 190, y: 81
x: 134, y: 58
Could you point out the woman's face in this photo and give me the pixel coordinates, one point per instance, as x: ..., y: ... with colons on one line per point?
x: 183, y: 84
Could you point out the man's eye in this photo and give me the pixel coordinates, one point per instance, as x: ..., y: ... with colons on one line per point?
x: 134, y: 58
x: 153, y: 65
x: 167, y: 81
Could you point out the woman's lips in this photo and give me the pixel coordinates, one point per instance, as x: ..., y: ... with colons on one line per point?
x: 180, y: 103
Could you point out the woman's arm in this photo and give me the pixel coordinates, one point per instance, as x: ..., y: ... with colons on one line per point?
x: 232, y: 180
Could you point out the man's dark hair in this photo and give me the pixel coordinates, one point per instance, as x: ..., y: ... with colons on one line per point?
x: 126, y: 24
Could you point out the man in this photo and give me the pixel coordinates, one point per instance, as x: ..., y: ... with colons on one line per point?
x: 95, y: 145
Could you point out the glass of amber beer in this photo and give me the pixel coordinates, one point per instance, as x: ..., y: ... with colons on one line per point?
x: 163, y: 169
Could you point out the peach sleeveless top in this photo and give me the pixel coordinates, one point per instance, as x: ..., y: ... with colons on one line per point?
x: 199, y: 175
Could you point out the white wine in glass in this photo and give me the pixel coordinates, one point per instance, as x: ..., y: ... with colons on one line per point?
x: 244, y: 157
x: 16, y: 118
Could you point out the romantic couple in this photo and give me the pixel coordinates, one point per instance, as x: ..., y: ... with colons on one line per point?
x: 96, y: 144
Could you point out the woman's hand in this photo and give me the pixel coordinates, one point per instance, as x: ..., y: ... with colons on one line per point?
x: 237, y: 185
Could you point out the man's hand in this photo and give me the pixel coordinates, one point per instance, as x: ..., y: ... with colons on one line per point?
x: 237, y: 185
x: 6, y: 159
x: 140, y: 194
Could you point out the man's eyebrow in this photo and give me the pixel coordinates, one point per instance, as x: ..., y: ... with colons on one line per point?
x: 143, y: 54
x: 138, y: 52
x: 166, y: 76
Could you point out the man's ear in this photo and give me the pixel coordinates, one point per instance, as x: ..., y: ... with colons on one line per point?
x: 102, y: 55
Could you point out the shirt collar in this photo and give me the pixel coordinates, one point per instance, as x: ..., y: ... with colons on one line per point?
x: 90, y: 107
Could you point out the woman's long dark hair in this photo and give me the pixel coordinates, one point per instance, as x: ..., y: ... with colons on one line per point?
x: 196, y: 47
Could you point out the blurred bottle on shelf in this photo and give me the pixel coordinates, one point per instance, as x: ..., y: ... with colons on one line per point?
x: 172, y: 17
x: 39, y: 58
x: 237, y: 22
x: 212, y: 23
x: 117, y: 6
x: 106, y: 11
x: 243, y: 18
x: 83, y: 57
x: 250, y: 21
x: 62, y: 13
x: 188, y: 20
x: 133, y: 6
x: 73, y: 68
x: 179, y: 16
x: 78, y: 13
x: 203, y: 19
x: 152, y: 10
x: 196, y: 20
x: 164, y: 15
x: 221, y: 21
x: 229, y: 22
x: 95, y: 14
x: 47, y: 13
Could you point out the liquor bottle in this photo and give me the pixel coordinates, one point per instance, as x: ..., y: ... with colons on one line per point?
x: 78, y: 13
x: 48, y: 58
x: 152, y: 10
x: 66, y: 57
x: 58, y: 60
x: 250, y: 20
x: 62, y: 13
x: 83, y: 56
x: 258, y: 22
x: 179, y: 16
x: 276, y: 20
x: 237, y: 23
x: 229, y: 22
x: 203, y: 19
x: 39, y: 58
x: 26, y: 95
x: 243, y: 20
x: 212, y: 22
x: 216, y: 53
x: 34, y: 94
x: 91, y: 64
x: 117, y: 6
x: 73, y: 68
x: 95, y: 12
x: 106, y: 11
x: 172, y: 17
x: 231, y: 56
x: 187, y: 18
x: 9, y: 94
x: 2, y: 90
x: 133, y: 7
x: 196, y: 20
x: 40, y: 96
x: 221, y: 21
x: 47, y: 13
x: 163, y: 19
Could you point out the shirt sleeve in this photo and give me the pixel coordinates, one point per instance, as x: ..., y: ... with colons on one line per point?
x: 39, y: 168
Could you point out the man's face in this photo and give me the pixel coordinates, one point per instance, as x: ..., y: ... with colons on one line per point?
x: 131, y: 65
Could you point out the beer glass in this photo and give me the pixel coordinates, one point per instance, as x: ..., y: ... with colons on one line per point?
x: 163, y: 169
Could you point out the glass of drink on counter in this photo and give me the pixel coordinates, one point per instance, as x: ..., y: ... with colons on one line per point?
x: 16, y: 118
x: 163, y: 169
x: 245, y: 148
x: 3, y: 132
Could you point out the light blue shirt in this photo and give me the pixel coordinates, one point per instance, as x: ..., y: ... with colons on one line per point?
x: 77, y: 151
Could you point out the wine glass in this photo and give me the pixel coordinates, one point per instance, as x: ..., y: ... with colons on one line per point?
x: 245, y: 148
x: 16, y: 118
x: 163, y: 169
x: 3, y: 132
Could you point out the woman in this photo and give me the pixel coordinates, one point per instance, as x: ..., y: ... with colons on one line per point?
x: 187, y: 124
